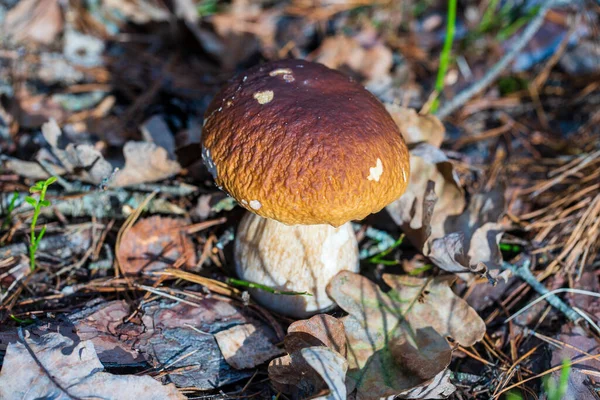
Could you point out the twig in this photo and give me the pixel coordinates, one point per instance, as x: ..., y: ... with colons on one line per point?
x: 109, y: 204
x: 493, y: 73
x: 523, y: 272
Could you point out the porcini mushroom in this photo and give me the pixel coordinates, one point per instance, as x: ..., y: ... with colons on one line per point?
x: 306, y: 149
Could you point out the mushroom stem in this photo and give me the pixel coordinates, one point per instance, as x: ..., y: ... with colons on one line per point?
x: 299, y: 258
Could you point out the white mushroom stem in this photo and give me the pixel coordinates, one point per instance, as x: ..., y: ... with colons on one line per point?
x: 293, y: 258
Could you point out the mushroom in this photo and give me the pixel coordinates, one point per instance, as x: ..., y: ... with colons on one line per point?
x: 305, y: 149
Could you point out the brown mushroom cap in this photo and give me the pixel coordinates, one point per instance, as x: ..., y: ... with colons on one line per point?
x: 303, y: 144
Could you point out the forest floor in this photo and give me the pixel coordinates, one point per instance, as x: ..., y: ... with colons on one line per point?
x: 116, y: 246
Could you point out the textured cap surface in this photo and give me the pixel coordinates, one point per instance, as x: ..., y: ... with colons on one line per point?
x: 303, y: 144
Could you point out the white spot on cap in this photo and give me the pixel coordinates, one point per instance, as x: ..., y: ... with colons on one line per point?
x: 376, y: 171
x: 244, y: 202
x: 255, y: 204
x: 208, y: 161
x: 264, y: 97
x: 404, y: 176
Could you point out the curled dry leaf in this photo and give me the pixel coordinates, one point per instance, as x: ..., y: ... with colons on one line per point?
x: 387, y: 355
x: 331, y: 366
x: 435, y: 216
x: 75, y: 367
x: 144, y: 162
x: 84, y: 160
x: 294, y: 374
x: 38, y: 21
x: 423, y: 209
x: 154, y: 244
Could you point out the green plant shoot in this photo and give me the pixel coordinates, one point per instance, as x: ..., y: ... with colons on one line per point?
x: 252, y: 285
x: 445, y: 56
x: 11, y: 207
x: 378, y: 258
x: 37, y: 204
x: 554, y: 390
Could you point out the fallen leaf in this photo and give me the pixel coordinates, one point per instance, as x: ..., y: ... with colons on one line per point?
x: 243, y: 346
x: 182, y: 337
x: 417, y: 128
x: 33, y: 368
x: 83, y: 160
x: 144, y: 162
x: 471, y: 240
x: 155, y: 243
x: 293, y: 373
x: 101, y: 324
x: 320, y: 330
x: 370, y: 61
x: 404, y: 361
x: 422, y: 207
x: 439, y: 388
x: 434, y: 214
x: 39, y: 21
x: 387, y: 355
x: 331, y: 366
x: 436, y: 305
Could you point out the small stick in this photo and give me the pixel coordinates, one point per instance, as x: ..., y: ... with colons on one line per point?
x: 523, y: 272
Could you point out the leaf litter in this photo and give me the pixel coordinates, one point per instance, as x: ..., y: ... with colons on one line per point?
x: 102, y: 94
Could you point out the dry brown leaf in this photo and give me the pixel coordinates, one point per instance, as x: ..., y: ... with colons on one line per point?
x: 244, y: 346
x: 331, y: 366
x: 155, y: 243
x: 100, y: 324
x: 387, y: 355
x: 83, y: 160
x: 436, y: 306
x: 39, y: 21
x: 439, y: 388
x: 420, y: 212
x: 75, y: 367
x: 471, y: 240
x: 320, y: 330
x: 293, y: 373
x: 433, y: 216
x: 417, y: 128
x: 144, y: 162
x: 373, y: 61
